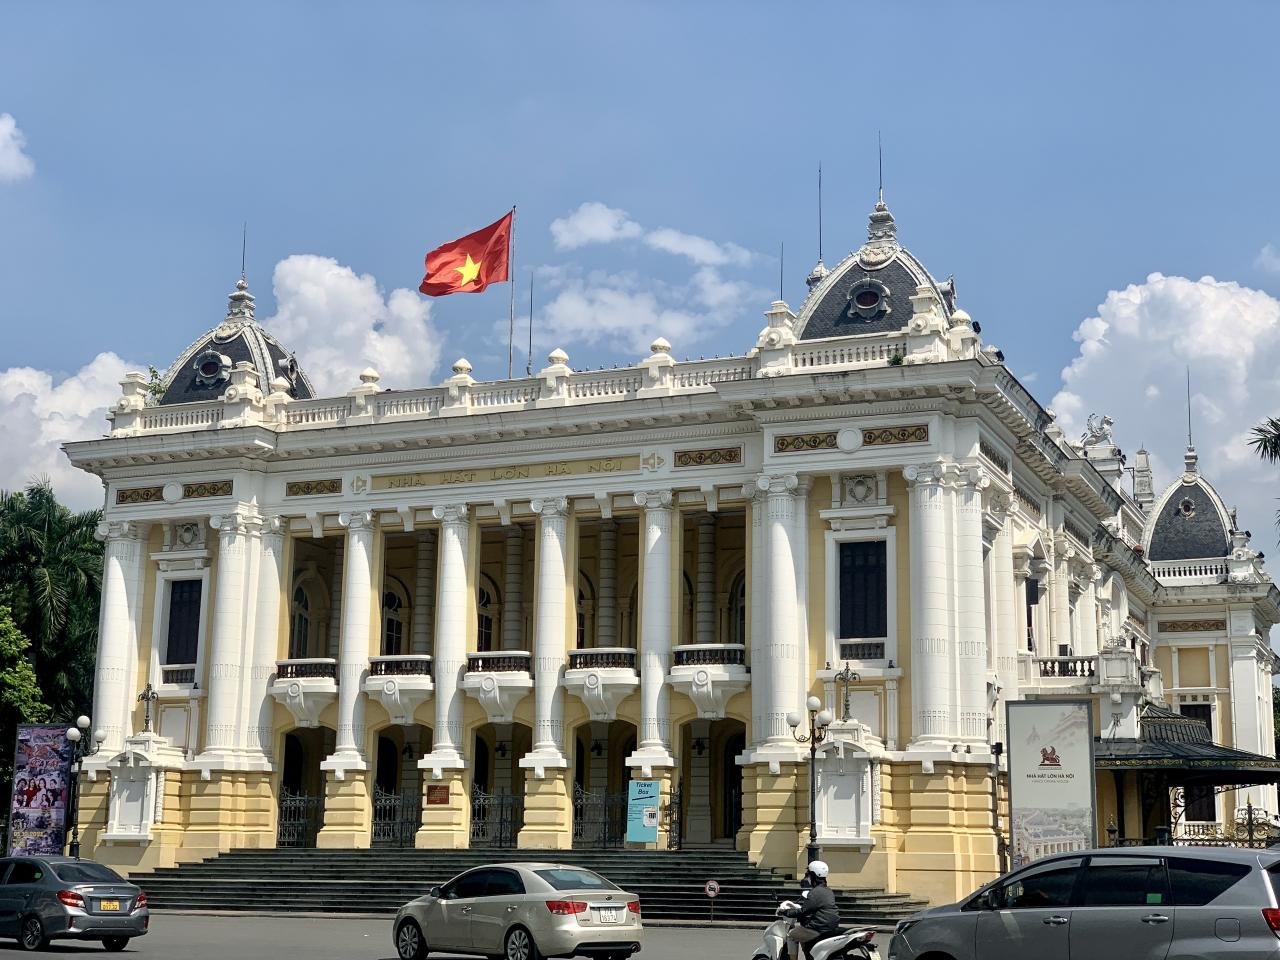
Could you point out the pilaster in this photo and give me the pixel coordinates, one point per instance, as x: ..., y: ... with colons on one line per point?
x: 446, y: 812
x: 548, y: 812
x: 348, y: 815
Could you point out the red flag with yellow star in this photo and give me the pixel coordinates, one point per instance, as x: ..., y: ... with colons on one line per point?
x: 471, y: 263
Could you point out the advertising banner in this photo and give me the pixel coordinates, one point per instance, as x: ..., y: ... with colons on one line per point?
x: 642, y: 811
x: 41, y: 785
x: 1051, y: 796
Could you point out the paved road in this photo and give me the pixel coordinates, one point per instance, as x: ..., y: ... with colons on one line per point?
x: 202, y: 937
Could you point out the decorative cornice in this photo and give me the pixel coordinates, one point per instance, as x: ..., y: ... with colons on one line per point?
x: 1191, y: 626
x: 312, y: 488
x: 709, y: 457
x: 1028, y: 501
x: 1075, y: 532
x: 997, y: 459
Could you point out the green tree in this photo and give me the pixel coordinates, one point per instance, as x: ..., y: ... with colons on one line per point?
x: 20, y: 698
x: 50, y: 578
x: 1266, y: 444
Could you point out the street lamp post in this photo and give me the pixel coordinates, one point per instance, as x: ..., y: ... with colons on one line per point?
x: 80, y: 748
x: 819, y: 720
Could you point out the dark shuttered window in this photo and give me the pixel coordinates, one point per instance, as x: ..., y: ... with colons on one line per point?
x: 184, y: 621
x: 864, y: 589
x: 1200, y: 801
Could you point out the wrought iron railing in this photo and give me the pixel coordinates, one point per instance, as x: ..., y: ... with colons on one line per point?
x: 396, y: 817
x: 496, y: 818
x: 178, y: 673
x: 507, y: 661
x: 603, y: 658
x: 861, y: 649
x: 599, y: 819
x: 710, y: 654
x: 1068, y: 667
x: 412, y: 665
x: 298, y: 819
x: 321, y: 668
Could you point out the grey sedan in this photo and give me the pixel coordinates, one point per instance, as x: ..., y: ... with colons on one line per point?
x: 522, y: 911
x: 58, y: 898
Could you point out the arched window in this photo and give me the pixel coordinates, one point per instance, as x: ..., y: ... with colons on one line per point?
x: 395, y: 618
x: 738, y: 609
x: 586, y: 627
x: 487, y: 612
x: 299, y: 623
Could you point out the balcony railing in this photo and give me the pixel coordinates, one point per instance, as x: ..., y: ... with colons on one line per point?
x: 1203, y: 571
x: 710, y: 655
x: 178, y: 673
x: 500, y: 661
x: 1074, y: 668
x: 314, y: 668
x: 603, y: 658
x: 861, y: 649
x: 408, y: 665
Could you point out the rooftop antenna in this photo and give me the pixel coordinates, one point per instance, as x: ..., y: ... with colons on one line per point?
x: 880, y: 152
x: 244, y: 239
x: 819, y: 211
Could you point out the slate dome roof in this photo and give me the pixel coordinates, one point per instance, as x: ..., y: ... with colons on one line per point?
x: 870, y: 291
x: 203, y: 370
x: 1189, y: 521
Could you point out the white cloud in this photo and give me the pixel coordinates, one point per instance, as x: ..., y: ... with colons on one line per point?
x: 1268, y: 259
x: 593, y: 222
x: 338, y: 322
x: 40, y: 411
x: 14, y: 163
x: 1132, y: 364
x: 698, y: 249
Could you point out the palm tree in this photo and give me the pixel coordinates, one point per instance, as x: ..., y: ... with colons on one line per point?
x: 1266, y: 444
x: 51, y: 575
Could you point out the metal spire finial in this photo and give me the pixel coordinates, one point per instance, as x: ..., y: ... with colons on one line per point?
x: 1189, y: 443
x: 819, y: 211
x: 244, y: 242
x: 880, y: 152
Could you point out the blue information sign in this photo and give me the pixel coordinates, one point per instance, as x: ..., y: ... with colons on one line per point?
x: 642, y: 811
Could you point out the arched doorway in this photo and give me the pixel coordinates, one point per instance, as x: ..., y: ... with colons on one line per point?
x: 300, y: 800
x: 726, y: 825
x: 601, y: 782
x: 497, y: 784
x: 397, y: 785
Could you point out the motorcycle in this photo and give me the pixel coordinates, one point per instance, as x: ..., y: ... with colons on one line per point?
x: 841, y: 945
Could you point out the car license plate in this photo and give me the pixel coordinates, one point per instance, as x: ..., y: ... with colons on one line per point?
x: 608, y: 914
x: 109, y: 906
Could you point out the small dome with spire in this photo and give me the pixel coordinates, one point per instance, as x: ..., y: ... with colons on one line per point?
x: 203, y: 370
x: 1189, y: 521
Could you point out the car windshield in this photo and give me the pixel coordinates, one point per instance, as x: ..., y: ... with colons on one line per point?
x: 565, y: 878
x: 85, y: 872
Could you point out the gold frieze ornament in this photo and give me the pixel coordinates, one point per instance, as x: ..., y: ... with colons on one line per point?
x: 312, y: 488
x: 1192, y: 626
x: 884, y: 436
x: 207, y: 488
x: 139, y: 495
x: 800, y: 442
x: 544, y: 470
x: 714, y: 457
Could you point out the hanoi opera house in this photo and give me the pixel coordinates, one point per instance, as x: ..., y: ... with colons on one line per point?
x: 469, y: 614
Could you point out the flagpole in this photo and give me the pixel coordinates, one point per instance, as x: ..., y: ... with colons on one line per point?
x: 511, y: 278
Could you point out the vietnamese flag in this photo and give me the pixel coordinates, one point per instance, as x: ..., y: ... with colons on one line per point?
x: 470, y: 264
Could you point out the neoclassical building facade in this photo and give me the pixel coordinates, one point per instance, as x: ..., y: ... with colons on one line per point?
x: 469, y: 614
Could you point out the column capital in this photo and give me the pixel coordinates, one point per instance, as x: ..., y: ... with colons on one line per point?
x: 451, y: 512
x: 654, y: 499
x: 231, y: 524
x: 933, y: 473
x: 274, y: 526
x: 118, y: 530
x: 974, y: 475
x: 358, y: 520
x: 550, y: 506
x: 778, y: 484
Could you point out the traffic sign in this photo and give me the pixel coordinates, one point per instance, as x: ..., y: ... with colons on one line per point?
x: 712, y: 888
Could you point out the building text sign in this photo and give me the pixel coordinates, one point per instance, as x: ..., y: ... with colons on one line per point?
x: 1051, y: 795
x: 642, y: 811
x: 544, y: 470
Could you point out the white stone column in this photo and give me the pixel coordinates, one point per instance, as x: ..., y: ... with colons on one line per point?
x: 1005, y: 627
x: 424, y: 591
x: 549, y: 635
x: 1087, y: 615
x: 122, y: 574
x: 932, y: 681
x: 654, y: 748
x: 259, y: 704
x: 1063, y: 554
x: 607, y: 585
x: 705, y: 598
x: 335, y: 603
x: 782, y: 647
x: 353, y: 650
x: 450, y: 658
x: 513, y: 590
x: 971, y: 608
x: 226, y: 651
x: 800, y: 556
x: 757, y: 598
x: 698, y: 829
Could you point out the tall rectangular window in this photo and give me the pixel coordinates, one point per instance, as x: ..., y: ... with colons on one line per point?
x: 1033, y: 600
x: 1200, y: 801
x: 864, y: 589
x: 184, y: 621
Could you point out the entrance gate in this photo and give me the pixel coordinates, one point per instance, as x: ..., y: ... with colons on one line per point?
x: 495, y: 818
x: 298, y: 819
x: 675, y: 819
x: 396, y: 817
x: 599, y: 819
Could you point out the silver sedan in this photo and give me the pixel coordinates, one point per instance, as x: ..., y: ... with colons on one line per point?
x: 58, y: 898
x: 522, y: 911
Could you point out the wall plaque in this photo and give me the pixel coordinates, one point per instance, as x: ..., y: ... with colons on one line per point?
x: 437, y: 795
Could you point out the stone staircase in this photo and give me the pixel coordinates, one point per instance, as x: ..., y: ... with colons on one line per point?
x: 670, y: 885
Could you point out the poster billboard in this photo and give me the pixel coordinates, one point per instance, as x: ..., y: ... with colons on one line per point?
x: 41, y: 786
x: 642, y: 811
x: 1051, y: 795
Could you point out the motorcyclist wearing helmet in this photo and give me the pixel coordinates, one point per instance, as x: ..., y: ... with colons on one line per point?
x: 818, y: 916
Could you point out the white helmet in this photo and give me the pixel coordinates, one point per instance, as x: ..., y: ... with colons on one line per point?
x: 819, y: 868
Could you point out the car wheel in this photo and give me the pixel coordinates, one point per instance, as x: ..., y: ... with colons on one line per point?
x: 31, y: 934
x: 519, y: 945
x: 409, y: 942
x: 115, y: 944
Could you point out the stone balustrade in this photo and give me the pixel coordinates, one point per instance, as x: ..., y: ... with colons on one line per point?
x: 408, y: 665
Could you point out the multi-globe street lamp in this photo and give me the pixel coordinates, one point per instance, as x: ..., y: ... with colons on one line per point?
x: 80, y: 748
x: 820, y: 719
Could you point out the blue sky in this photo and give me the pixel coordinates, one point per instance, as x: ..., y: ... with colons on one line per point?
x: 1051, y: 157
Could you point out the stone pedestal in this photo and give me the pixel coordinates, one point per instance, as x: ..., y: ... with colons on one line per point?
x: 548, y: 812
x: 228, y: 810
x: 777, y: 799
x: 445, y: 826
x: 348, y: 816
